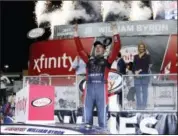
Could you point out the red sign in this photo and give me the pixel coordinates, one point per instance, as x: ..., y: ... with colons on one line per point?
x: 171, y: 55
x: 55, y: 57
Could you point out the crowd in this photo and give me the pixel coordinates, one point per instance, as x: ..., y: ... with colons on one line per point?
x: 3, y: 88
x: 7, y: 103
x: 7, y: 110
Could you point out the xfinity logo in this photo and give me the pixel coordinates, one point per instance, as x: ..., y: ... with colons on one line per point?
x: 41, y: 102
x: 43, y: 62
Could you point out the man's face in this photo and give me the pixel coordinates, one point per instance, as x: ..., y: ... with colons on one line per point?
x: 141, y: 48
x: 99, y: 50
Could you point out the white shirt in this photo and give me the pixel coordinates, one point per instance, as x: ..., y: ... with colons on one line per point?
x: 79, y: 66
x: 114, y: 65
x: 4, y: 81
x: 11, y: 99
x: 130, y: 78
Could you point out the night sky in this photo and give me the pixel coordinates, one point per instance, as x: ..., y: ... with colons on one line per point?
x: 17, y: 19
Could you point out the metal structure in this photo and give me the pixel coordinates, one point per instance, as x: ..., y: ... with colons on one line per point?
x: 162, y: 92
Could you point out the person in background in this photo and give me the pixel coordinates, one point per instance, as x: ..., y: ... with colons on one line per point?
x: 7, y: 114
x: 129, y: 68
x: 130, y: 84
x: 121, y: 66
x: 79, y: 66
x: 80, y: 70
x: 4, y: 81
x: 1, y: 115
x: 11, y: 100
x: 141, y: 66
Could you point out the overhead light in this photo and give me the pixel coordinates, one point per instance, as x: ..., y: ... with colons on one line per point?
x: 6, y: 66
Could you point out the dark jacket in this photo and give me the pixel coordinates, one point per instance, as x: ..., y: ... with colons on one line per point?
x: 121, y: 66
x: 142, y: 63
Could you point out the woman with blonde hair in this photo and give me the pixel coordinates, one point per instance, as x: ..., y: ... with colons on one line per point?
x: 141, y: 68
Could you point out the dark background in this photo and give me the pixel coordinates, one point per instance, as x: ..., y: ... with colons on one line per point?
x: 17, y: 19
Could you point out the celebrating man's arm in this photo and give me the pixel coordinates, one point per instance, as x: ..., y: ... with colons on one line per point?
x: 117, y: 44
x: 79, y: 46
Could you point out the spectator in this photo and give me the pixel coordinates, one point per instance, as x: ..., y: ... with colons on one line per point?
x: 79, y: 66
x: 11, y: 100
x: 7, y: 114
x: 1, y: 120
x: 80, y: 70
x: 141, y: 66
x: 130, y: 84
x: 3, y: 88
x: 121, y: 66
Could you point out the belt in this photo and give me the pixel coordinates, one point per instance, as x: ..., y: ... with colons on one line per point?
x: 81, y: 75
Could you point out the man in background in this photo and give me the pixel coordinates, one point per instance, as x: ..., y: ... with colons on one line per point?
x: 121, y: 66
x: 4, y: 81
x: 79, y: 66
x: 80, y: 70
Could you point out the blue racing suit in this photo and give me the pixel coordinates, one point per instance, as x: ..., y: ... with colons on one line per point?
x: 96, y: 92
